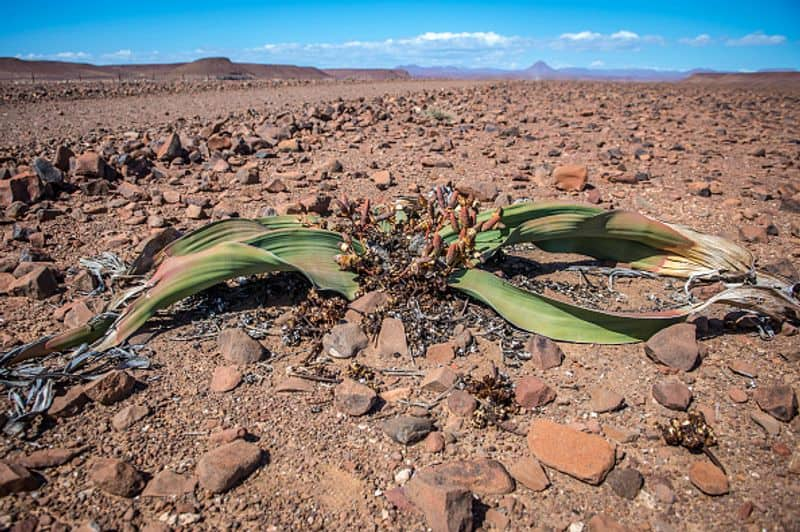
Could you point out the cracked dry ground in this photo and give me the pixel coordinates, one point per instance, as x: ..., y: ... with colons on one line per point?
x: 721, y: 160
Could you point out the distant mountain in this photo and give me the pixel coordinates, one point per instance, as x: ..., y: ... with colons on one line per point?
x: 542, y: 71
x: 760, y: 79
x: 367, y: 74
x: 206, y: 68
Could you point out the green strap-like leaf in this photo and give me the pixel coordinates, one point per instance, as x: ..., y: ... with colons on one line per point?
x: 232, y: 230
x: 313, y: 253
x: 310, y: 252
x: 621, y: 236
x: 559, y: 320
x: 644, y: 243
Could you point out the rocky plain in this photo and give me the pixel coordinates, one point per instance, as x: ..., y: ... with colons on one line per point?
x: 230, y: 427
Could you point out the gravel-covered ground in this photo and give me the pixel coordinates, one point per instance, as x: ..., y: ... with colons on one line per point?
x: 720, y: 160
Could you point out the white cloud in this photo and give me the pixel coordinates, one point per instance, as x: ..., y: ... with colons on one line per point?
x: 597, y: 63
x: 625, y: 35
x: 480, y: 48
x: 592, y: 40
x: 701, y: 40
x: 581, y: 36
x: 72, y: 55
x: 120, y: 54
x: 758, y: 38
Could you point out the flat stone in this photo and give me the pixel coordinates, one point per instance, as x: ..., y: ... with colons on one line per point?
x: 222, y: 468
x: 237, y: 347
x: 770, y: 425
x: 15, y: 478
x: 461, y: 403
x: 483, y: 476
x: 90, y: 164
x: 344, y: 341
x: 530, y: 473
x: 737, y: 395
x: 370, y: 302
x: 777, y: 400
x: 605, y: 400
x: 294, y: 385
x: 625, y: 482
x: 169, y: 484
x: 545, y: 353
x: 485, y: 190
x: 407, y: 429
x: 69, y: 404
x: 225, y: 379
x: 663, y: 491
x: 675, y: 346
x: 110, y: 388
x: 442, y: 353
x: 354, y: 398
x: 392, y: 338
x: 740, y: 367
x: 434, y: 442
x: 45, y: 458
x: 129, y: 415
x: 532, y: 392
x: 383, y: 179
x: 39, y: 283
x: 395, y: 395
x: 672, y: 394
x: 708, y: 478
x: 170, y: 149
x: 586, y: 457
x: 439, y: 380
x: 447, y: 508
x: 570, y: 177
x: 435, y: 162
x: 620, y: 434
x: 227, y: 436
x: 116, y: 477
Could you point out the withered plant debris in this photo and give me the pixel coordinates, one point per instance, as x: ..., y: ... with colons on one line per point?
x: 363, y: 374
x: 495, y: 396
x: 692, y: 433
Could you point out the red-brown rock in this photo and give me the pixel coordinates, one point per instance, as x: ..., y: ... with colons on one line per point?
x: 26, y: 188
x: 447, y: 508
x: 586, y: 457
x: 169, y: 484
x: 116, y: 477
x: 110, y: 388
x: 777, y: 400
x: 672, y: 394
x: 15, y: 478
x: 225, y: 379
x: 45, y: 458
x: 708, y: 478
x: 354, y: 398
x: 532, y: 392
x: 237, y: 347
x: 482, y: 476
x: 222, y: 468
x: 570, y: 177
x: 545, y: 353
x: 530, y: 473
x: 674, y: 346
x: 39, y: 283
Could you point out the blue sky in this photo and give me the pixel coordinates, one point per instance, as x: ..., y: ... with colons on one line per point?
x: 681, y: 34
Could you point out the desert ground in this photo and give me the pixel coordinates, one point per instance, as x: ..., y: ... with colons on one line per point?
x: 285, y: 446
